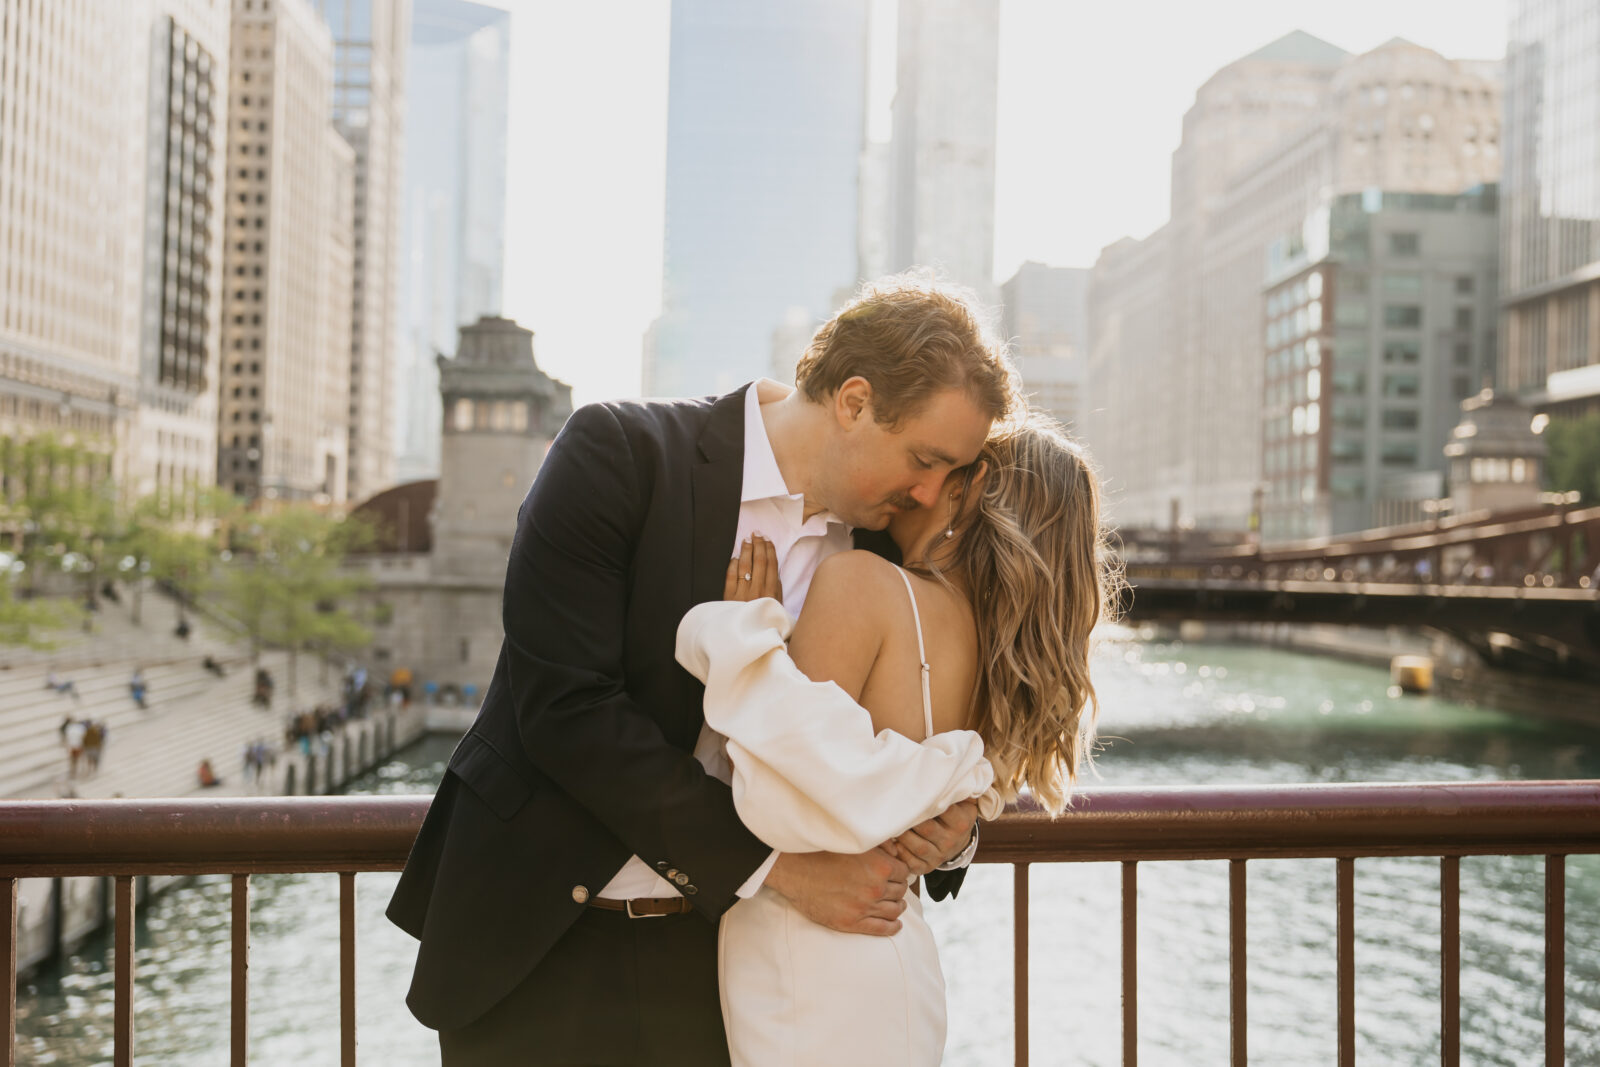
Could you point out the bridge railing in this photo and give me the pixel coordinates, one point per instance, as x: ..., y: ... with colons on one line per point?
x: 347, y: 835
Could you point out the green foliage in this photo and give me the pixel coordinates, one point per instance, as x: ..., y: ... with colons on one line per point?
x: 28, y: 622
x: 287, y: 586
x: 1573, y: 461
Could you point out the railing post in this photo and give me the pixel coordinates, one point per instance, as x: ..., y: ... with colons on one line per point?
x: 1130, y: 963
x: 1347, y: 961
x: 8, y: 968
x: 347, y: 968
x: 1555, y: 960
x: 122, y: 950
x: 241, y: 969
x: 1019, y: 952
x: 1450, y: 960
x: 1237, y: 990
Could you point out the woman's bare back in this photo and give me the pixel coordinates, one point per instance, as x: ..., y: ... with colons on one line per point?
x: 858, y: 629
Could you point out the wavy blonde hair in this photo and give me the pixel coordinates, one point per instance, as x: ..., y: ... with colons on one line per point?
x: 1029, y: 544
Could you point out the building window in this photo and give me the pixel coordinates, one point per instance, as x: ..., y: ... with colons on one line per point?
x: 1402, y: 316
x: 1465, y: 283
x: 1463, y: 354
x: 1404, y: 284
x: 1405, y: 244
x: 1463, y: 318
x: 1401, y: 351
x: 1399, y: 453
x: 1399, y: 419
x: 1401, y: 386
x: 463, y: 414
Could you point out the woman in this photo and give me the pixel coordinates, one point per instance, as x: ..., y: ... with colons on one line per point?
x: 973, y: 665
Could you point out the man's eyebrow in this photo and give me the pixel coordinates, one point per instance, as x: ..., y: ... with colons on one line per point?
x: 942, y: 457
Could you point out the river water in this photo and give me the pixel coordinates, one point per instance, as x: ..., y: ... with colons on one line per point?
x: 1180, y: 715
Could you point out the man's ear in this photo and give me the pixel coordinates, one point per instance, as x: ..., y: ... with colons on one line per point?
x: 852, y: 402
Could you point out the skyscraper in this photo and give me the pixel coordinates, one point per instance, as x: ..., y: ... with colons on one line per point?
x: 1550, y: 206
x: 1269, y: 138
x: 369, y: 91
x: 453, y: 228
x: 765, y: 109
x: 941, y: 185
x: 1045, y: 319
x: 288, y: 261
x: 111, y: 218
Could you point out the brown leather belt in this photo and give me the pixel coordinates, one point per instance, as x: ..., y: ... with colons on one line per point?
x: 644, y: 907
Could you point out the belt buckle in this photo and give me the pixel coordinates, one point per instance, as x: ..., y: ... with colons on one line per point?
x: 628, y: 907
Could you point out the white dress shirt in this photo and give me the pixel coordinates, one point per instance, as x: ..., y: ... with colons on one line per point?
x: 767, y: 507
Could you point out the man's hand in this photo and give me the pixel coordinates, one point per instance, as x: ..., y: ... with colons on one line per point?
x: 936, y: 842
x: 862, y: 894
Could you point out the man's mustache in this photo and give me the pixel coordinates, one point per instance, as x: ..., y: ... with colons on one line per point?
x: 903, y: 501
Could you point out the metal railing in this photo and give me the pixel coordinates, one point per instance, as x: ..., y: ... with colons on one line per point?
x: 128, y: 838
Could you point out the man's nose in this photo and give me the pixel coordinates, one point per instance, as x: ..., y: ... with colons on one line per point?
x: 926, y: 492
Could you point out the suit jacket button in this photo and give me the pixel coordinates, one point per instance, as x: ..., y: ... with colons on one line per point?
x: 672, y: 874
x: 690, y: 890
x: 663, y: 865
x: 580, y: 894
x: 681, y: 878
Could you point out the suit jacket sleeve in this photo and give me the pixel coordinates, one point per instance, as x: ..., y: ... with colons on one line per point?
x: 565, y: 614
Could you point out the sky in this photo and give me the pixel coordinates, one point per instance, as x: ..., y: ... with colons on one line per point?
x: 1091, y: 102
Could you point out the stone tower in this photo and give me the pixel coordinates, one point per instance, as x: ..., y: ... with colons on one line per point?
x: 500, y: 414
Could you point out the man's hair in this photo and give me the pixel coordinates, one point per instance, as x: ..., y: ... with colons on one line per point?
x: 910, y: 337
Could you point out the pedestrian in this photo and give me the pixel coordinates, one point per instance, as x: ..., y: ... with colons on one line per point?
x: 63, y: 686
x: 137, y: 688
x: 94, y: 739
x: 208, y: 775
x: 73, y: 737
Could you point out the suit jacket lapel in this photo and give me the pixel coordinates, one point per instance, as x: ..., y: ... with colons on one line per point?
x: 717, y: 482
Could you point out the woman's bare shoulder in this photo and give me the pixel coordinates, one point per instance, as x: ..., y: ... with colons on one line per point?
x: 854, y: 571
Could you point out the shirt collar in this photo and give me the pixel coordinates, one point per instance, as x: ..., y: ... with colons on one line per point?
x: 762, y: 478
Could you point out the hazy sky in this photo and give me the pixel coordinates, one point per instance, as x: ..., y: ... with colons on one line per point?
x: 1092, y: 96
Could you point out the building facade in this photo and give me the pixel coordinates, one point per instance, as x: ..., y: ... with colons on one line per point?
x: 111, y: 138
x: 1550, y: 218
x: 1044, y: 318
x: 1379, y: 320
x: 765, y: 112
x: 453, y: 229
x: 369, y: 92
x: 1310, y: 123
x: 287, y: 262
x: 942, y: 153
x: 439, y: 567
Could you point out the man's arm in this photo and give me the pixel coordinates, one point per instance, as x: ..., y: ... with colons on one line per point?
x: 565, y: 613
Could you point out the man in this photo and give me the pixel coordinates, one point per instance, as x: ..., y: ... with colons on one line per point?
x: 567, y: 881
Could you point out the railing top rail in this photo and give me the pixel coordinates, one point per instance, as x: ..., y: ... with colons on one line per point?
x: 61, y: 838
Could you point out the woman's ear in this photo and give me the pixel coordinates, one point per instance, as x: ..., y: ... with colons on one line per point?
x: 975, y: 472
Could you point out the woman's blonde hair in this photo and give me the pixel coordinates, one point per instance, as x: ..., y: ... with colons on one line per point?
x: 1029, y: 544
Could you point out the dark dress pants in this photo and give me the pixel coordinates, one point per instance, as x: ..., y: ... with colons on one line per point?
x: 613, y: 991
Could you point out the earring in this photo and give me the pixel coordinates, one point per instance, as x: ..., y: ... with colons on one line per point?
x: 950, y: 520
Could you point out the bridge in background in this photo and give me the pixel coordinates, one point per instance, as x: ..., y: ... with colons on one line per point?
x: 1518, y: 587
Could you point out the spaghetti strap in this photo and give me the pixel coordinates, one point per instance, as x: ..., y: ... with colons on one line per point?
x: 922, y: 654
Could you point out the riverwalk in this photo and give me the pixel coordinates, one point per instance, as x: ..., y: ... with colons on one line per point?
x: 191, y: 714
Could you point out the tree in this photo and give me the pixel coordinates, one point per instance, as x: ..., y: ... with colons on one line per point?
x: 28, y: 622
x: 287, y: 586
x: 168, y: 539
x: 1573, y: 457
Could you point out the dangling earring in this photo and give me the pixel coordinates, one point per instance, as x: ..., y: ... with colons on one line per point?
x: 950, y: 519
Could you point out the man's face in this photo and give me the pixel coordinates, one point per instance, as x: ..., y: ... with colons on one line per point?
x: 875, y: 473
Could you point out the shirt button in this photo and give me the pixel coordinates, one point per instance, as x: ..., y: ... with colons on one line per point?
x: 580, y: 894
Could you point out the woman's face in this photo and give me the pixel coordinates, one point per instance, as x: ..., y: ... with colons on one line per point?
x: 913, y: 531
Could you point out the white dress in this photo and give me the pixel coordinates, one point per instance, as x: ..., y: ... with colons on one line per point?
x: 809, y: 774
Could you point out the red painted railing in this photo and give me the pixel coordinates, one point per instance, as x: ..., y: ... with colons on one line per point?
x: 126, y: 838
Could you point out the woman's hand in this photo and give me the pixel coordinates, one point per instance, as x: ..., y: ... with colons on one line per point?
x: 753, y: 573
